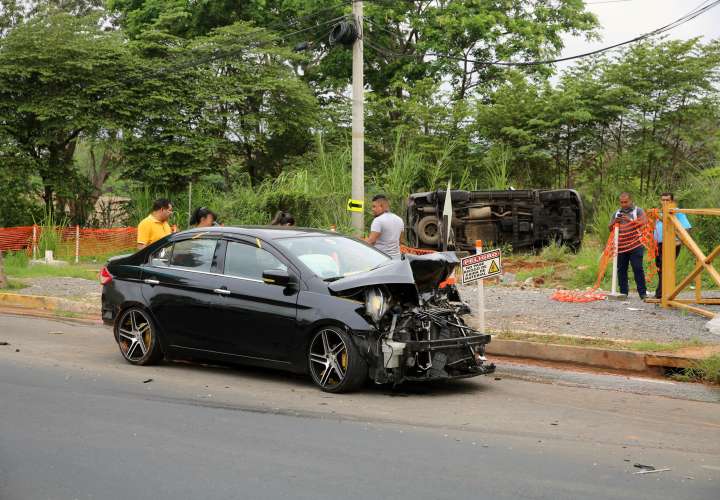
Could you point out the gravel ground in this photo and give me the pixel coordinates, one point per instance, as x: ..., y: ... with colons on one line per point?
x: 79, y: 289
x: 507, y: 308
x: 532, y: 309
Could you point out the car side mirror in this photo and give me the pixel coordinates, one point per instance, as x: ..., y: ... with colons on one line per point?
x: 280, y: 277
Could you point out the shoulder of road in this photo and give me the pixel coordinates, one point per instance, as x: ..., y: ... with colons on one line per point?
x: 635, y: 356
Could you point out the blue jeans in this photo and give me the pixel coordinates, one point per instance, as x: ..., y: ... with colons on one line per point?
x: 635, y: 259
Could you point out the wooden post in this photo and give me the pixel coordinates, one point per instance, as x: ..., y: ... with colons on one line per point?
x: 698, y: 285
x: 668, y: 255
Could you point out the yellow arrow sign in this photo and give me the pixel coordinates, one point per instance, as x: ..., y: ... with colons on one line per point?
x: 355, y: 205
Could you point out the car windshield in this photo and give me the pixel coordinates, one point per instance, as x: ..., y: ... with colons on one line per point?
x: 333, y: 257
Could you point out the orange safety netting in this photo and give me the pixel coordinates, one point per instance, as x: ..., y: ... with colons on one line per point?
x: 632, y: 235
x: 415, y: 251
x: 15, y: 238
x: 68, y: 242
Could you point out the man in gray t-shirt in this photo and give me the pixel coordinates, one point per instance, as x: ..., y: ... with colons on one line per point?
x: 386, y: 229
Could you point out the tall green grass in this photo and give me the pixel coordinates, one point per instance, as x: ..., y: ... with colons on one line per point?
x: 51, y: 228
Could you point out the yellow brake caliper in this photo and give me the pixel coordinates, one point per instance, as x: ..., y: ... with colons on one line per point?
x: 343, y: 360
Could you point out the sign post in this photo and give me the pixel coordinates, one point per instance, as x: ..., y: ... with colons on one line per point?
x: 478, y: 267
x: 480, y: 292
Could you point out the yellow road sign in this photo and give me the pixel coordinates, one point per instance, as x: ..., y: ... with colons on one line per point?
x: 355, y: 205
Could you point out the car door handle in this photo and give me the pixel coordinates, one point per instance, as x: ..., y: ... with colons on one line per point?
x: 151, y: 282
x: 222, y: 291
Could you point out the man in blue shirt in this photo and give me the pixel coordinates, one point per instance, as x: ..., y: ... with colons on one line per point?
x: 684, y: 222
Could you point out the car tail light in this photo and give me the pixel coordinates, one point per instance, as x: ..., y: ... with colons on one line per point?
x: 105, y: 276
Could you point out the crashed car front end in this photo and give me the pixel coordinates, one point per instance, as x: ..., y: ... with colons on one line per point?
x: 417, y: 328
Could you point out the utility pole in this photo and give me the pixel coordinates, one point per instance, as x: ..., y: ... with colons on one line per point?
x: 358, y: 121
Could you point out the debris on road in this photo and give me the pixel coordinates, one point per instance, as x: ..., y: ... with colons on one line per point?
x: 653, y: 471
x: 645, y: 467
x: 147, y: 381
x: 56, y: 333
x: 4, y: 343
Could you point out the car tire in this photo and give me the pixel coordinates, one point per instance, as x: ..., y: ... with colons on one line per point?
x: 137, y: 337
x: 335, y: 364
x: 428, y: 230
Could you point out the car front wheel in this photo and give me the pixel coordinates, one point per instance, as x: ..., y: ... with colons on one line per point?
x: 334, y: 361
x: 136, y: 336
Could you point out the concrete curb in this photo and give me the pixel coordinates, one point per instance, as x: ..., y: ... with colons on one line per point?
x: 52, y: 304
x: 587, y: 356
x: 614, y: 359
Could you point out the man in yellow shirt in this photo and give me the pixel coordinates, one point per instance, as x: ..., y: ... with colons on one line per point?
x: 155, y: 226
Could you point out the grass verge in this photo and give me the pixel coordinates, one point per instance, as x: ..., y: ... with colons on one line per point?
x: 706, y: 370
x: 645, y: 346
x: 17, y: 265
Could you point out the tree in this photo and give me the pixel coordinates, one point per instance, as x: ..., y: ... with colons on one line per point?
x: 59, y: 81
x: 216, y: 101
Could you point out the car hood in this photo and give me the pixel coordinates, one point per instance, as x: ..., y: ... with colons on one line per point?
x: 426, y: 272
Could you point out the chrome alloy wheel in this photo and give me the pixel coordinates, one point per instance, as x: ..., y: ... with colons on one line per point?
x: 328, y: 358
x: 134, y: 335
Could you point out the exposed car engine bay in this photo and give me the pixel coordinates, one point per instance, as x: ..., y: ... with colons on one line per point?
x: 419, y: 331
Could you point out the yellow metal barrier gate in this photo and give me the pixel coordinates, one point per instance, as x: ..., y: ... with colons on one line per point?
x: 672, y: 228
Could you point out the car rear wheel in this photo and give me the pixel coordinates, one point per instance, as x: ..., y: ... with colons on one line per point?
x: 137, y: 337
x: 334, y: 361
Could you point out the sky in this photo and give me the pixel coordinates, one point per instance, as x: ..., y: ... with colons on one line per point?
x: 623, y: 20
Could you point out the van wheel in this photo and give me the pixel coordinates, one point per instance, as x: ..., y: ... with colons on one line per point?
x: 428, y: 230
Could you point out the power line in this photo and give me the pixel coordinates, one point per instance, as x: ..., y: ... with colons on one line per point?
x: 607, y: 1
x: 697, y: 11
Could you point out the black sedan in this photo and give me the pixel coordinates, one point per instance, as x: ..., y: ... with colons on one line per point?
x: 296, y: 299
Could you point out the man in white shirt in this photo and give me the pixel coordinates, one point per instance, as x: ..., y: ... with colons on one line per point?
x: 386, y: 229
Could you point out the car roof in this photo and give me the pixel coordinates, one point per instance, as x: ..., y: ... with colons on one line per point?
x: 263, y: 232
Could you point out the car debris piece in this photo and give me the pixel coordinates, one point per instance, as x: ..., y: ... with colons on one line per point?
x: 4, y: 343
x: 653, y: 471
x: 56, y: 333
x: 147, y: 381
x: 643, y: 466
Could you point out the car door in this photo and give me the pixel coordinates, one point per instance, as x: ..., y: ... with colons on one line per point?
x: 259, y: 319
x: 180, y: 283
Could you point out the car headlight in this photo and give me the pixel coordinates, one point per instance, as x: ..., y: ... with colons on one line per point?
x: 376, y: 303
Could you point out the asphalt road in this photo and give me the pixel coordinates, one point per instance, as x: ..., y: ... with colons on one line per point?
x: 77, y: 422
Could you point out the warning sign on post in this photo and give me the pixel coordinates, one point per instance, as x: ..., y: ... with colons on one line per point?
x: 481, y: 266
